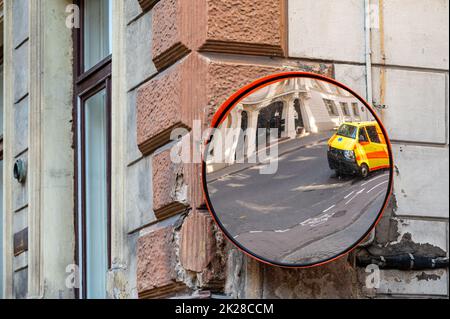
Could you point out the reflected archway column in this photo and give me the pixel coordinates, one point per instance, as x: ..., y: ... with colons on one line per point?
x: 232, y: 134
x: 308, y: 117
x: 289, y: 116
x: 252, y: 130
x: 202, y: 81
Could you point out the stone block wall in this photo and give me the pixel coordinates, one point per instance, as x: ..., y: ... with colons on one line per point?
x: 205, y: 50
x: 183, y: 59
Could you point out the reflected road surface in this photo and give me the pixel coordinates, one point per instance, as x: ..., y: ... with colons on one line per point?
x: 302, y: 214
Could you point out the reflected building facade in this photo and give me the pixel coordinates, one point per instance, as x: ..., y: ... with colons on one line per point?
x: 294, y: 108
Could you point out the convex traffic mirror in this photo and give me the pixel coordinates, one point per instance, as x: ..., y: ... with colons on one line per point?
x: 297, y: 169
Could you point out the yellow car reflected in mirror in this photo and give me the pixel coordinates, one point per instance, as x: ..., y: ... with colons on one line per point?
x: 358, y: 148
x: 266, y: 171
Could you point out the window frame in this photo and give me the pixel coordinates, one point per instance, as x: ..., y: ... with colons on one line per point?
x: 345, y: 109
x: 355, y: 109
x: 373, y: 136
x: 334, y: 110
x: 362, y: 131
x: 88, y: 83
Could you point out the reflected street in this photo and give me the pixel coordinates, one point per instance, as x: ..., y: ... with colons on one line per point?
x: 277, y: 216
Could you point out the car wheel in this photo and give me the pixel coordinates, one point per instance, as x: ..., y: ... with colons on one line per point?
x: 364, y: 170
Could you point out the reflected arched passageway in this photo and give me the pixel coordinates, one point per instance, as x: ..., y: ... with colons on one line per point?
x: 316, y: 203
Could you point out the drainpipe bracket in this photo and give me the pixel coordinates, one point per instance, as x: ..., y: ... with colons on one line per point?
x: 380, y: 106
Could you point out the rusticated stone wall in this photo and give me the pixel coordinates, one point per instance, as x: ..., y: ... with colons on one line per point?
x: 204, y: 51
x: 183, y: 26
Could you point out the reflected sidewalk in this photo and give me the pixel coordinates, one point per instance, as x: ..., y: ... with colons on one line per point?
x: 285, y: 146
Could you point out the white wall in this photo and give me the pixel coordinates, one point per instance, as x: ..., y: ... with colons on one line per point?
x: 324, y: 29
x: 417, y: 105
x: 416, y: 33
x: 57, y: 155
x: 413, y: 72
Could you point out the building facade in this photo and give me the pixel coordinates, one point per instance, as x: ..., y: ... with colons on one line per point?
x: 93, y: 207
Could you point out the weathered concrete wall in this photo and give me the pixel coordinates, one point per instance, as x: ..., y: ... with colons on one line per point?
x: 38, y: 131
x: 58, y: 155
x: 1, y: 150
x: 20, y: 62
x: 413, y: 36
x: 249, y: 279
x: 410, y: 77
x: 313, y: 31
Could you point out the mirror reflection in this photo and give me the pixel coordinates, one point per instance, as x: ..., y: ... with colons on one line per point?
x: 298, y: 172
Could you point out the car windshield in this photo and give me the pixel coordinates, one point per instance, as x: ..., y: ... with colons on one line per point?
x: 348, y: 131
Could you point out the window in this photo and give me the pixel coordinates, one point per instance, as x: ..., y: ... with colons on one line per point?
x: 1, y: 172
x: 97, y: 31
x: 331, y: 107
x: 1, y: 227
x: 373, y: 134
x: 347, y: 131
x: 1, y: 99
x: 363, y: 135
x: 355, y: 109
x: 345, y: 110
x: 93, y: 139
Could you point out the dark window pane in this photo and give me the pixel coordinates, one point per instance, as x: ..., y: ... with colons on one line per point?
x: 97, y: 31
x: 347, y: 131
x: 373, y: 134
x: 331, y: 107
x: 363, y: 136
x: 345, y: 109
x: 355, y: 109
